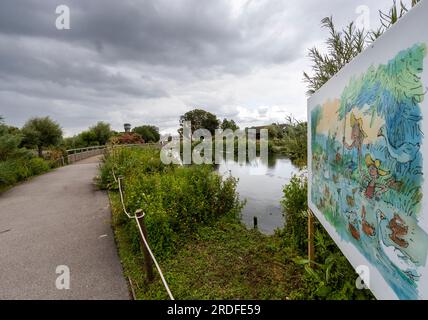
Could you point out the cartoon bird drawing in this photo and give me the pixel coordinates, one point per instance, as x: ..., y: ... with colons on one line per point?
x: 338, y: 158
x: 350, y: 200
x: 368, y: 228
x: 388, y: 248
x: 404, y: 153
x: 400, y: 241
x: 353, y: 225
x: 399, y: 229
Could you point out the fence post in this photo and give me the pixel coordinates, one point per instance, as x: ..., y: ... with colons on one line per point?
x: 311, y: 246
x: 148, y: 263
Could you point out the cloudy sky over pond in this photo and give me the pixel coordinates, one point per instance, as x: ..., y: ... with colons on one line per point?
x: 151, y: 61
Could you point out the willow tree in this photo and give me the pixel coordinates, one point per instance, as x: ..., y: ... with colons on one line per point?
x: 344, y: 45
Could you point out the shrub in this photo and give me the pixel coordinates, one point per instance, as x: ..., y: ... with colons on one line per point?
x: 175, y: 199
x: 127, y: 138
x: 38, y: 166
x: 13, y: 171
x: 8, y: 174
x: 295, y: 208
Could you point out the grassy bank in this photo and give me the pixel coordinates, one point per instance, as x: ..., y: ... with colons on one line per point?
x: 192, y: 218
x: 222, y: 260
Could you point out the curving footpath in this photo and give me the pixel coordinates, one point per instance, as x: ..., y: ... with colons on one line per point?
x: 59, y: 219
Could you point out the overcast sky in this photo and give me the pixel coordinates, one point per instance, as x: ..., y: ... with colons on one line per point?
x: 148, y: 62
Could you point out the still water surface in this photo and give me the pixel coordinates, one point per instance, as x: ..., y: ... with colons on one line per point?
x: 261, y: 184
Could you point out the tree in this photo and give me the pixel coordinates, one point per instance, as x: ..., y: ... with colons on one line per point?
x: 148, y: 133
x: 87, y: 138
x: 102, y: 132
x: 345, y: 45
x: 200, y: 119
x: 342, y: 47
x: 96, y: 135
x: 229, y: 124
x: 3, y: 128
x: 9, y: 142
x: 275, y: 131
x: 387, y: 19
x: 41, y: 133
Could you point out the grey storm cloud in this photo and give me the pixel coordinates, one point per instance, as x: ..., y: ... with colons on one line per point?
x: 149, y: 61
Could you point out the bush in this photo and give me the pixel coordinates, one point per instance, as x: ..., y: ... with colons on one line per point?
x: 38, y: 166
x: 127, y: 138
x: 175, y: 199
x: 13, y: 171
x: 295, y: 207
x: 8, y: 174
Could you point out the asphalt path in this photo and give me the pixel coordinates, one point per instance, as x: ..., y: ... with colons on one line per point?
x: 55, y: 225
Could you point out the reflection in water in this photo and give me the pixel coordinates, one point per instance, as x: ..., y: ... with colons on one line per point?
x: 261, y: 183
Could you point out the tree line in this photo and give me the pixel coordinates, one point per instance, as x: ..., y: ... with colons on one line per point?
x: 42, y: 133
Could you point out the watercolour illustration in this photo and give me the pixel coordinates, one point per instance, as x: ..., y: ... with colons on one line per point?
x: 367, y: 167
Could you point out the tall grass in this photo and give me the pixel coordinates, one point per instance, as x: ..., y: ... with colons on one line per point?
x: 333, y: 277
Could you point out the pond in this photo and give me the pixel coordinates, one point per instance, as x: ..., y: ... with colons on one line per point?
x: 261, y: 184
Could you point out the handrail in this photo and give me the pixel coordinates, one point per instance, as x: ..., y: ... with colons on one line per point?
x: 113, y: 145
x: 153, y: 257
x: 74, y: 155
x: 139, y: 214
x: 86, y: 149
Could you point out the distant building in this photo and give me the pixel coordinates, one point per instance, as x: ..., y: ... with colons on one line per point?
x: 258, y: 128
x: 127, y: 127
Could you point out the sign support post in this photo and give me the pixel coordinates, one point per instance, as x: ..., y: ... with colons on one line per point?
x: 311, y: 246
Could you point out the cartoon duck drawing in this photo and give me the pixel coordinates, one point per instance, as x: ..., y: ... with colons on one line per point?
x: 338, y: 158
x: 350, y: 200
x: 390, y: 250
x: 375, y: 172
x: 391, y: 233
x: 399, y: 229
x: 368, y: 228
x: 403, y: 153
x: 353, y: 225
x: 357, y: 135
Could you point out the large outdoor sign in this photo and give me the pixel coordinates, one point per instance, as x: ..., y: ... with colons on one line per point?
x: 368, y: 159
